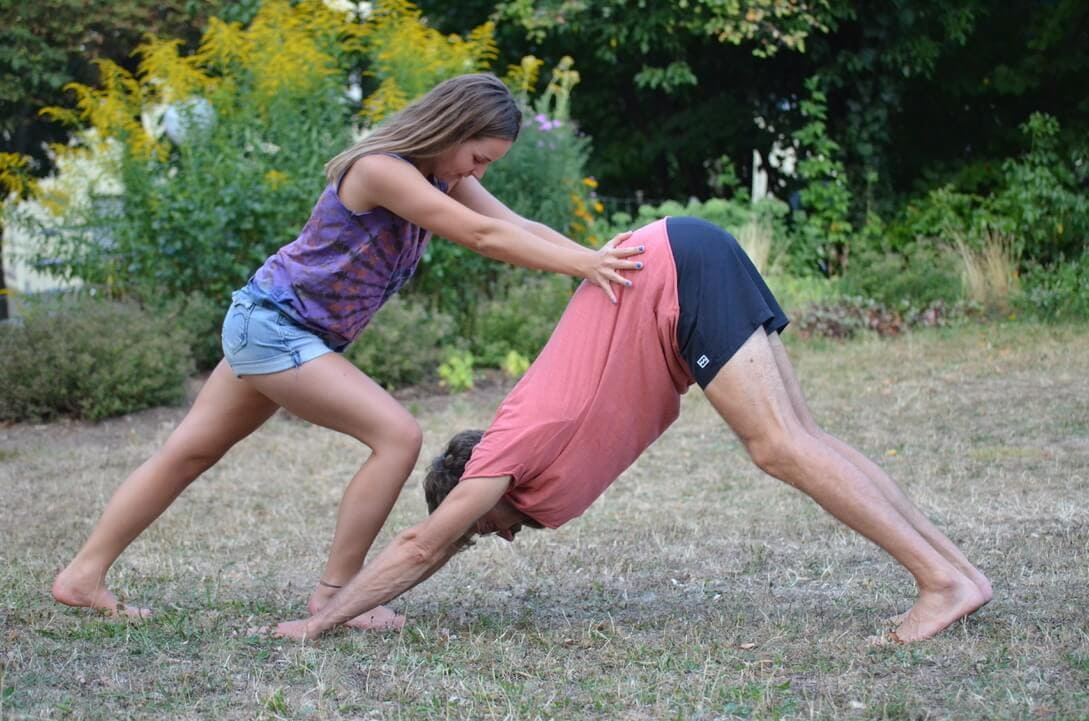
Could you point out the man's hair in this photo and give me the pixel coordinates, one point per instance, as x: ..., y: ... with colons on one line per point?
x: 447, y: 468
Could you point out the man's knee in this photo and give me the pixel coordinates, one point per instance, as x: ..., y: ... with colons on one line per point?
x: 778, y: 454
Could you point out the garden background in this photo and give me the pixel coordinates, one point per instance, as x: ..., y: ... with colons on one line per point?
x: 921, y: 165
x: 911, y: 177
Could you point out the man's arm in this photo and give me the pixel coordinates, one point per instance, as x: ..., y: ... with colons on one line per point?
x: 411, y: 557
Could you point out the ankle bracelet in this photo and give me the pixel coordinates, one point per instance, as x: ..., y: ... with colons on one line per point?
x: 328, y: 585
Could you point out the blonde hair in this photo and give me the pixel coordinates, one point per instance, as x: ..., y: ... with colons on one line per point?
x: 462, y: 108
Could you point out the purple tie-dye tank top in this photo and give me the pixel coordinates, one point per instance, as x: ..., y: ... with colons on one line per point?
x: 343, y: 266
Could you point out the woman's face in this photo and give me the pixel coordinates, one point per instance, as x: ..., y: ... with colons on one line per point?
x: 469, y: 158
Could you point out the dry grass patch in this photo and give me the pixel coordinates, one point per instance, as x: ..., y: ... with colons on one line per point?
x: 696, y: 588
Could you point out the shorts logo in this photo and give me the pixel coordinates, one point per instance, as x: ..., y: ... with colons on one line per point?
x: 702, y: 361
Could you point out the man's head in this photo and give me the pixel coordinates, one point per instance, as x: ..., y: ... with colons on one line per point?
x: 504, y: 520
x: 447, y: 467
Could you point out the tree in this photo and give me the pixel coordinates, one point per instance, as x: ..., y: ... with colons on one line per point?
x: 44, y: 46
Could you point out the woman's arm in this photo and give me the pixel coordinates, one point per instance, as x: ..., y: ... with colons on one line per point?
x: 471, y: 193
x: 381, y: 180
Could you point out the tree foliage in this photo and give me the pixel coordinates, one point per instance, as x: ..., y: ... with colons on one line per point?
x: 44, y: 46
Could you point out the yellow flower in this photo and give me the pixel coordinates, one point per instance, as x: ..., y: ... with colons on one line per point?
x: 589, y: 183
x: 275, y: 178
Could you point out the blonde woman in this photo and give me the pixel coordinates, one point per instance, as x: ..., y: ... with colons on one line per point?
x: 416, y: 174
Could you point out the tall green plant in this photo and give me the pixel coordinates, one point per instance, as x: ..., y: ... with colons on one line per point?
x: 825, y: 229
x: 1042, y: 199
x: 214, y: 157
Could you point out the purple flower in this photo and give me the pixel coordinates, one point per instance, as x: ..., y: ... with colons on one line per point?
x: 544, y: 124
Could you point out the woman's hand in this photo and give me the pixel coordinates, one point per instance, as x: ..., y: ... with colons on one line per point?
x: 608, y: 260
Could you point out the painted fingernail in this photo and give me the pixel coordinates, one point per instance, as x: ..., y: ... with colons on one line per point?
x: 627, y: 283
x: 642, y: 248
x: 638, y: 266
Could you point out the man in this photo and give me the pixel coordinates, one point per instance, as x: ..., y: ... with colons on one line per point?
x: 609, y: 382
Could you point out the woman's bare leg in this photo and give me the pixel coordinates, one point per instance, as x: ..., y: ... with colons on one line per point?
x: 331, y: 392
x: 751, y: 396
x: 876, y: 474
x: 226, y: 410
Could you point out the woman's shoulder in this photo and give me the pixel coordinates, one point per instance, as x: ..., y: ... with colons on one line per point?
x: 385, y: 172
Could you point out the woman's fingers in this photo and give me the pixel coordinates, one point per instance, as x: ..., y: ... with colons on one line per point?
x: 611, y: 260
x: 618, y: 238
x: 606, y: 286
x: 626, y: 251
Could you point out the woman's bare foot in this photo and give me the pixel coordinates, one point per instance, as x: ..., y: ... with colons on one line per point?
x: 936, y: 610
x: 378, y: 618
x: 87, y: 590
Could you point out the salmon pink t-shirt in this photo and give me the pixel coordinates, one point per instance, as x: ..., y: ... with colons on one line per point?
x: 606, y: 385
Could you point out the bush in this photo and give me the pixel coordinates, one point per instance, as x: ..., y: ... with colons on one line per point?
x: 915, y: 278
x: 1058, y: 292
x: 87, y: 358
x: 403, y: 344
x: 763, y: 221
x: 205, y: 164
x: 796, y: 292
x: 201, y: 319
x: 519, y: 320
x: 456, y: 371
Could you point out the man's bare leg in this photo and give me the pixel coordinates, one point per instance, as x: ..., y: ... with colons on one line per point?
x: 226, y: 410
x: 888, y: 487
x: 751, y: 396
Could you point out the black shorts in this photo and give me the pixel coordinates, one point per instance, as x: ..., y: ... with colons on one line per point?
x: 723, y: 299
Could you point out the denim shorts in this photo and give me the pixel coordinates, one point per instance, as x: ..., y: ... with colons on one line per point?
x: 260, y: 339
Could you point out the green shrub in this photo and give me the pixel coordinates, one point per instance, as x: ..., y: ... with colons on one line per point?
x: 735, y: 215
x: 222, y: 170
x: 87, y: 358
x: 913, y: 279
x: 456, y: 371
x: 1057, y: 292
x: 515, y: 364
x: 201, y: 318
x: 824, y: 231
x: 403, y: 344
x: 520, y: 320
x: 1043, y: 200
x: 796, y: 292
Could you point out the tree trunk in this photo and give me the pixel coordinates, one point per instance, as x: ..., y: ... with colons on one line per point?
x: 3, y: 286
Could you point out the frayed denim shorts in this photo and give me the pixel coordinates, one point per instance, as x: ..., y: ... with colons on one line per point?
x: 259, y: 339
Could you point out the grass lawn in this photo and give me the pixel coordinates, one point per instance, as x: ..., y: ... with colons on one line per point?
x: 696, y: 588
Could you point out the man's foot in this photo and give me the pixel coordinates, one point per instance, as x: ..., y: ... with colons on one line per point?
x: 982, y: 583
x: 83, y: 590
x: 936, y: 610
x: 975, y: 576
x: 378, y: 618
